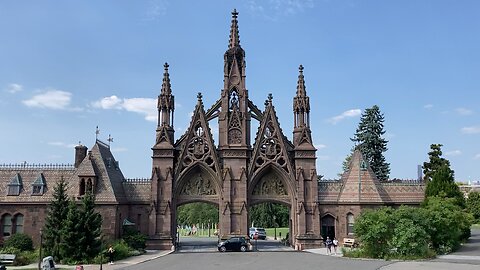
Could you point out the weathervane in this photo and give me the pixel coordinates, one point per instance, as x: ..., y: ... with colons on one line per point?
x: 97, y: 131
x: 110, y: 139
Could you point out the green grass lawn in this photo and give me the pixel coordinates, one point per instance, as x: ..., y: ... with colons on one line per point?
x: 476, y: 226
x: 280, y: 231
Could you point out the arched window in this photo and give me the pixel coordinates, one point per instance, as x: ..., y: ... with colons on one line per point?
x: 82, y: 187
x: 7, y: 225
x: 18, y: 222
x: 350, y: 221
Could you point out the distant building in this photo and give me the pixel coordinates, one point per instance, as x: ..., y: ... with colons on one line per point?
x: 233, y: 174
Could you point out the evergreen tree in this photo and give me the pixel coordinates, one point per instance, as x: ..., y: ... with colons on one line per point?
x: 91, y: 227
x: 443, y: 185
x: 369, y: 139
x: 56, y: 216
x: 70, y: 249
x: 435, y: 162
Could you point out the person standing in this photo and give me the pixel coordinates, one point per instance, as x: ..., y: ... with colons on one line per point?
x: 110, y: 253
x: 329, y: 245
x: 335, y: 244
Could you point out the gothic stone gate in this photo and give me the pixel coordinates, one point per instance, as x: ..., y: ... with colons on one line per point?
x: 233, y: 174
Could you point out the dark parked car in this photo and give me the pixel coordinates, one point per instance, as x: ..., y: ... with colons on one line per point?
x: 236, y: 243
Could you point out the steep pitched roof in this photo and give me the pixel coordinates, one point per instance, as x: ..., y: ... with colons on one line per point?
x: 359, y: 183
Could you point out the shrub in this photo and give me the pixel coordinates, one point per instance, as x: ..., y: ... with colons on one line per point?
x: 20, y: 241
x: 135, y: 239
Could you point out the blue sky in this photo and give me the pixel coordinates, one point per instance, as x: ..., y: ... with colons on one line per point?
x: 68, y: 66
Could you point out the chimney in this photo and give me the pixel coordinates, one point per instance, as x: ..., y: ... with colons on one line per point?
x: 80, y: 154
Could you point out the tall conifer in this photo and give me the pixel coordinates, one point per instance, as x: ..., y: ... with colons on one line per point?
x: 368, y: 138
x: 56, y: 216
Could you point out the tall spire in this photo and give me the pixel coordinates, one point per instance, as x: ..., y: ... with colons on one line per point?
x: 166, y: 102
x: 166, y: 87
x: 234, y: 37
x: 301, y: 92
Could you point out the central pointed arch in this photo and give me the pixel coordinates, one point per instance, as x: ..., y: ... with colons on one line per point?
x: 198, y: 183
x: 271, y: 184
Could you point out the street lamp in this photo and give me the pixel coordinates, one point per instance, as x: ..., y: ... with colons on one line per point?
x: 40, y: 251
x: 275, y: 226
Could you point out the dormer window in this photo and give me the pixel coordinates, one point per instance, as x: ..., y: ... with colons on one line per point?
x: 15, y: 186
x: 38, y: 187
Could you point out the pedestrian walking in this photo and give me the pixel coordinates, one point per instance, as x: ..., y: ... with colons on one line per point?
x: 329, y: 244
x: 110, y: 253
x: 335, y: 244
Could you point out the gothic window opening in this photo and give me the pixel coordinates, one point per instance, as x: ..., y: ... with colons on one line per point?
x: 18, y: 223
x: 89, y: 185
x: 6, y: 225
x: 233, y: 103
x: 350, y: 222
x: 82, y: 187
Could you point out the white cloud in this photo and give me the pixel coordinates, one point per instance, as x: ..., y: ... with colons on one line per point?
x: 144, y: 106
x: 118, y: 149
x: 464, y: 111
x: 50, y: 99
x: 112, y: 102
x: 156, y: 9
x: 320, y: 146
x: 428, y: 106
x: 61, y: 144
x: 274, y: 9
x: 453, y: 153
x: 14, y: 88
x: 471, y: 130
x: 344, y: 115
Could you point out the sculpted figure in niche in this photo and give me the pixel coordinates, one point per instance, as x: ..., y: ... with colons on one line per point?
x: 270, y: 185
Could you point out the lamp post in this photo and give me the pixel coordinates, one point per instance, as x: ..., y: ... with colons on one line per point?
x: 40, y: 251
x: 101, y: 251
x: 275, y: 226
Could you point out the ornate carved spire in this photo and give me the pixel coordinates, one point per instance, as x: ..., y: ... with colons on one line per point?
x: 166, y: 87
x: 301, y: 112
x: 166, y: 106
x: 301, y: 92
x: 234, y: 37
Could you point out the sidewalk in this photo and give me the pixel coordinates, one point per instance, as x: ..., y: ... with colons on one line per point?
x: 150, y: 255
x: 323, y: 251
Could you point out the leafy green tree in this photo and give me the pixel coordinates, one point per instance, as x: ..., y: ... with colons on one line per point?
x: 443, y: 185
x: 261, y: 215
x: 91, y: 224
x: 436, y: 161
x: 70, y: 248
x: 368, y: 137
x: 375, y: 229
x: 20, y: 241
x: 196, y: 213
x: 56, y: 216
x: 473, y: 205
x: 410, y: 237
x: 449, y: 224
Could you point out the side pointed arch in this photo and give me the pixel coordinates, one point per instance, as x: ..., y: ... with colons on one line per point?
x: 272, y: 183
x: 198, y: 183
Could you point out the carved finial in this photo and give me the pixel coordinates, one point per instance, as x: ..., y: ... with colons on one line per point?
x: 268, y: 101
x: 234, y: 36
x: 166, y: 87
x: 199, y: 96
x: 301, y: 83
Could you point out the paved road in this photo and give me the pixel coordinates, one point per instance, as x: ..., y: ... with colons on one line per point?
x: 200, y: 254
x: 209, y: 244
